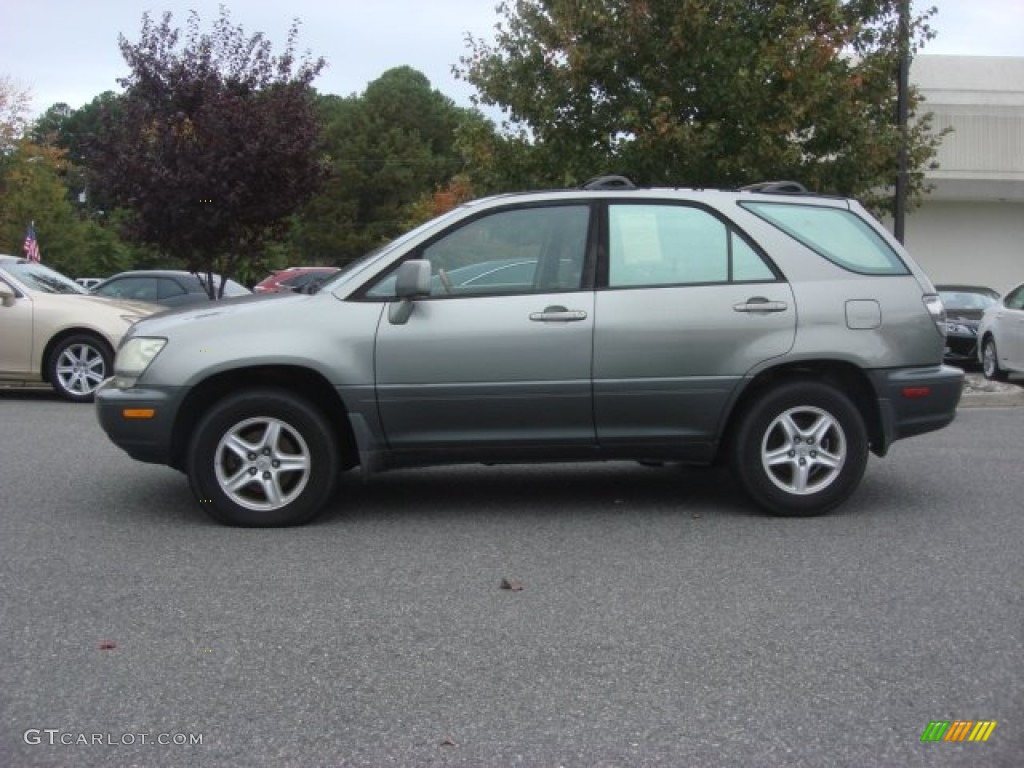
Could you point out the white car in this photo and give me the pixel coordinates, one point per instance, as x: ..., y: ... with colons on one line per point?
x: 52, y: 330
x: 1001, y: 335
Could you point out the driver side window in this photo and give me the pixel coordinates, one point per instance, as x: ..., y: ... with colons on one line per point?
x: 522, y: 250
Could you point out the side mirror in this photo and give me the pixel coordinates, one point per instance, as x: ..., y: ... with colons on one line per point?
x: 411, y: 282
x: 7, y: 295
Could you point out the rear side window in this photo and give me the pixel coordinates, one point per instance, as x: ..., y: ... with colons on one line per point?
x: 839, y: 235
x: 656, y: 245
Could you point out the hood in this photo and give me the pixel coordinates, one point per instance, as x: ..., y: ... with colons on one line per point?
x: 261, y: 307
x: 125, y: 305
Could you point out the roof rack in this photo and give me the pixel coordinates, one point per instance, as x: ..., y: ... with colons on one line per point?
x: 608, y: 182
x: 778, y: 187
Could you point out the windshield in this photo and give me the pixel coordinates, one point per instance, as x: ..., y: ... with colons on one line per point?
x: 39, y: 278
x: 354, y: 266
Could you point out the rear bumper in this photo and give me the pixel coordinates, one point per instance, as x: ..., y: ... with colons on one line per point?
x: 912, y: 401
x: 144, y: 439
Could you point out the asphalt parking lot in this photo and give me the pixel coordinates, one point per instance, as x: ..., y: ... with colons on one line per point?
x: 662, y: 621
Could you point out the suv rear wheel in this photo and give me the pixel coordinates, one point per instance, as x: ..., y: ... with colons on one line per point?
x: 800, y: 449
x: 263, y: 458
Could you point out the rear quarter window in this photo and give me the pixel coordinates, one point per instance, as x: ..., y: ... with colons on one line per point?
x: 837, y: 234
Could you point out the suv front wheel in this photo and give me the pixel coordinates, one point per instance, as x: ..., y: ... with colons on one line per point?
x: 800, y: 449
x: 263, y: 458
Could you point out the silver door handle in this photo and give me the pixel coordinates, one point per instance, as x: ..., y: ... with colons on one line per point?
x: 760, y: 304
x: 558, y: 315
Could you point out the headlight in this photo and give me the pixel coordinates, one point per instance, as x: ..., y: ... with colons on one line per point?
x: 960, y: 328
x: 133, y: 358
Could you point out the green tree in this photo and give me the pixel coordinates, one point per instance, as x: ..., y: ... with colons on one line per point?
x: 213, y: 144
x: 387, y: 148
x: 706, y: 93
x: 75, y: 132
x: 33, y: 190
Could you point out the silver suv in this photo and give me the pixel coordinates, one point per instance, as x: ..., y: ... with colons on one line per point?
x: 783, y: 332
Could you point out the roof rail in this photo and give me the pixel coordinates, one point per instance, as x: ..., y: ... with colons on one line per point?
x: 778, y: 187
x: 608, y: 182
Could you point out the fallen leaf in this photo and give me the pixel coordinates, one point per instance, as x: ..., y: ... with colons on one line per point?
x: 515, y: 586
x: 448, y: 741
x: 107, y: 645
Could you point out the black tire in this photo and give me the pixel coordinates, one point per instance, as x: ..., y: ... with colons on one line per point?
x: 280, y: 429
x: 78, y: 365
x: 990, y: 361
x: 800, y: 449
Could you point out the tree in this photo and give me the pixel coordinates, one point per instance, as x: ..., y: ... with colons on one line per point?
x: 14, y: 105
x: 34, y: 191
x: 387, y: 147
x: 213, y: 145
x: 707, y: 94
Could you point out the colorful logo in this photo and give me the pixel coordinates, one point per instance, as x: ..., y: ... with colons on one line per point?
x: 958, y: 730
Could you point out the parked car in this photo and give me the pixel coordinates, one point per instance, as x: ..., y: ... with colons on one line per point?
x: 785, y: 333
x: 964, y: 306
x: 171, y: 288
x: 52, y: 330
x: 1001, y: 331
x: 88, y: 282
x: 297, y: 279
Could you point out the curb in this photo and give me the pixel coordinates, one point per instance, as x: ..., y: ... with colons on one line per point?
x: 980, y: 393
x: 992, y: 399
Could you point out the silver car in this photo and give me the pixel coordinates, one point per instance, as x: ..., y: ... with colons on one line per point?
x: 1001, y: 335
x: 784, y: 333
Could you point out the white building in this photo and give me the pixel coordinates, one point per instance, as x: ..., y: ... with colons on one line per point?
x: 970, y: 228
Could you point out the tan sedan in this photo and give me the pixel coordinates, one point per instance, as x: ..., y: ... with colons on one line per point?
x: 52, y: 330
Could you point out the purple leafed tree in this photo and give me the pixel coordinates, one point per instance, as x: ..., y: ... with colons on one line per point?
x: 214, y: 143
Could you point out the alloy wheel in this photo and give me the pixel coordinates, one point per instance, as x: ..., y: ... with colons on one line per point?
x: 803, y: 450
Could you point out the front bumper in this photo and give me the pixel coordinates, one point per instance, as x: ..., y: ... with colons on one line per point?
x: 146, y: 439
x: 912, y: 401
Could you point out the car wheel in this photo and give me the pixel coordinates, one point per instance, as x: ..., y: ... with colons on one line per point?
x: 263, y: 458
x: 990, y: 361
x: 78, y: 365
x: 800, y: 449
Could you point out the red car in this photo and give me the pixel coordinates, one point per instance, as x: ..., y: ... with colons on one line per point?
x: 297, y: 279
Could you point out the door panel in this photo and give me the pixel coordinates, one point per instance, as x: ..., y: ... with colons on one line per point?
x: 16, y: 339
x: 691, y: 307
x: 479, y: 371
x: 666, y: 360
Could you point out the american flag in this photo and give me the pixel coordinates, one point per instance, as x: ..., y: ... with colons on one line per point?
x: 31, y: 244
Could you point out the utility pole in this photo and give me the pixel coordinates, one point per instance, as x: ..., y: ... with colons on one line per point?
x: 902, y: 109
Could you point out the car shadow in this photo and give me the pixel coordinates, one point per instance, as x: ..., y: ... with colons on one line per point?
x: 538, y: 490
x: 39, y: 393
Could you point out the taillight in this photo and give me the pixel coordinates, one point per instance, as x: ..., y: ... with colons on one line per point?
x: 937, y: 310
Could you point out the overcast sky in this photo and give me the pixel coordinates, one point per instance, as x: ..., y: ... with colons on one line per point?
x: 66, y: 50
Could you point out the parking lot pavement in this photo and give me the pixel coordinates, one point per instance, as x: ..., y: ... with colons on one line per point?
x: 663, y: 621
